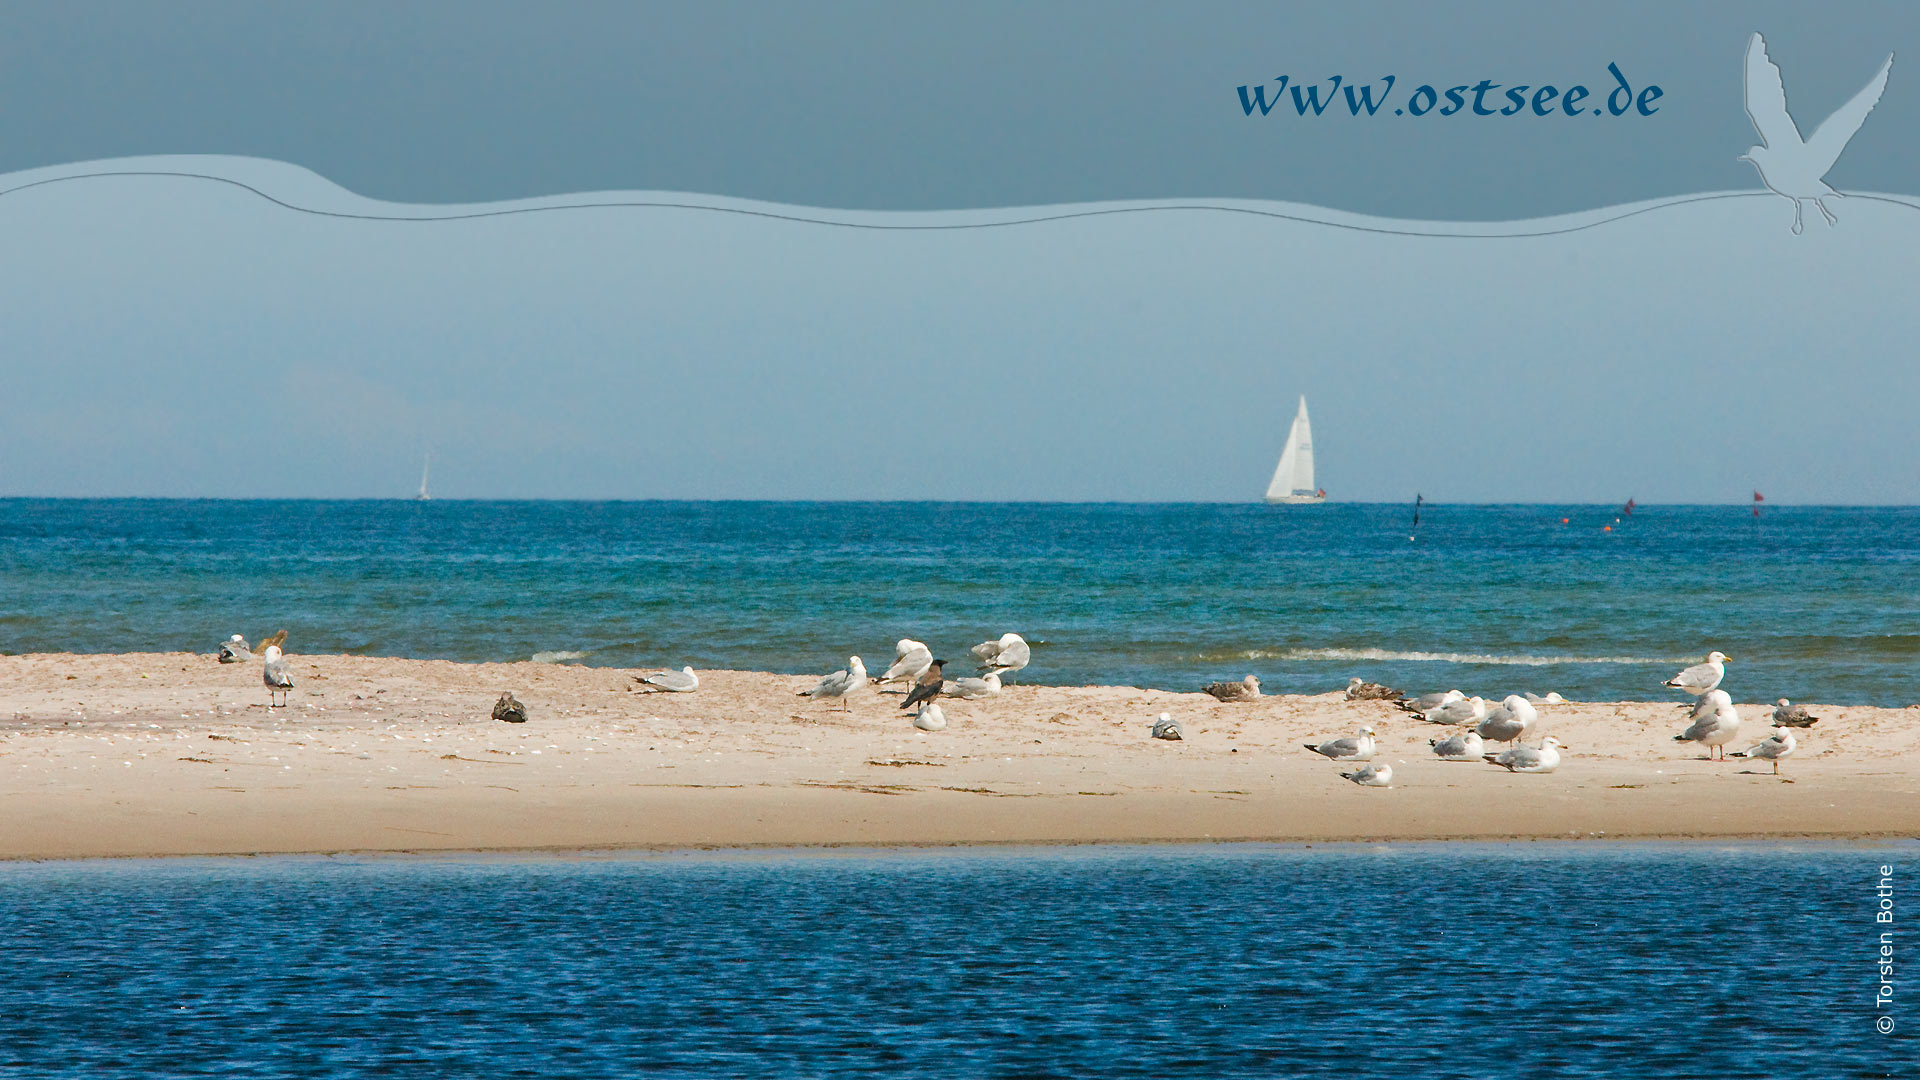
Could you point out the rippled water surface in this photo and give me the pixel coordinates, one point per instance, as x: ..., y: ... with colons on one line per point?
x: 1445, y: 960
x: 1817, y: 604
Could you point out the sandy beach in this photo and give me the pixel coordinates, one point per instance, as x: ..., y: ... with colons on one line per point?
x: 175, y: 754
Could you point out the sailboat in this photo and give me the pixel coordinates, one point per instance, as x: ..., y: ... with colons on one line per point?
x: 1293, y: 477
x: 424, y: 466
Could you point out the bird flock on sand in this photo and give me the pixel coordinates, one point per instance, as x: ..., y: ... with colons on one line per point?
x: 1494, y: 733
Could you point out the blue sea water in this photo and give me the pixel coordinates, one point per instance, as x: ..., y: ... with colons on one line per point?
x: 1439, y: 960
x: 1814, y: 603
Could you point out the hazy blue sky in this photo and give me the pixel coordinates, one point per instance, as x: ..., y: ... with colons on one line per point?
x: 168, y: 338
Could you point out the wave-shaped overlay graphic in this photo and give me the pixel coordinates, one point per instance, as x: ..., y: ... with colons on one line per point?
x: 901, y: 221
x: 1447, y: 657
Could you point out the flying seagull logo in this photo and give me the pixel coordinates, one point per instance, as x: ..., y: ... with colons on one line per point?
x: 1790, y: 166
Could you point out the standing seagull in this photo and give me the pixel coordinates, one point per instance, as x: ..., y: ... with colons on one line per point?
x: 278, y: 677
x: 683, y: 681
x: 927, y: 686
x: 1790, y: 166
x: 840, y: 683
x: 1701, y: 678
x: 910, y: 658
x: 1781, y: 745
x: 1003, y: 657
x: 1717, y: 729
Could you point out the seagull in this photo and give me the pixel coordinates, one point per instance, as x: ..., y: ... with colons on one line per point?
x: 840, y: 683
x: 683, y: 681
x: 1715, y: 729
x: 1791, y: 715
x: 1530, y: 759
x: 1380, y: 775
x: 1426, y: 703
x: 1005, y: 656
x: 1355, y: 749
x: 1790, y: 166
x: 930, y: 718
x: 1466, y: 746
x: 509, y: 709
x: 1701, y: 678
x: 1463, y: 711
x: 1708, y: 702
x: 277, y: 676
x: 968, y: 689
x: 234, y: 650
x: 927, y: 686
x: 910, y: 658
x: 1246, y: 689
x: 1510, y: 722
x: 1781, y: 745
x: 1166, y: 727
x: 1552, y: 697
x: 1359, y: 689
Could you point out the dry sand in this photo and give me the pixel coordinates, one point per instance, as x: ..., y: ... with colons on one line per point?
x: 174, y: 754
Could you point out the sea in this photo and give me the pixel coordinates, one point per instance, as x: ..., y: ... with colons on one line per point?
x: 1818, y: 604
x: 1590, y: 959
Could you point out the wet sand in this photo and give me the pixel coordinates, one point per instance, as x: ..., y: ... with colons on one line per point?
x: 175, y: 754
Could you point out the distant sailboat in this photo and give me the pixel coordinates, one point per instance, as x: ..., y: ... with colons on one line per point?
x: 424, y: 466
x: 1293, y: 477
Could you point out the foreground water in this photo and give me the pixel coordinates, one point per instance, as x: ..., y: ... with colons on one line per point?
x: 1813, y: 603
x: 1420, y: 960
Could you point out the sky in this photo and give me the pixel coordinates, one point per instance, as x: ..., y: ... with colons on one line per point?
x: 154, y: 324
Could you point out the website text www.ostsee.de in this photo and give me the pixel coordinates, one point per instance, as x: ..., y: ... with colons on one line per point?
x: 1337, y: 96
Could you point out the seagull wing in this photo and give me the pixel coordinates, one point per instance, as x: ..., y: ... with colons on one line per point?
x: 1831, y: 137
x: 1767, y: 100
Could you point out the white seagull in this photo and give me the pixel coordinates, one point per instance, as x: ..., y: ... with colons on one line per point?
x: 1005, y: 656
x: 840, y: 683
x: 1790, y: 166
x: 1530, y: 759
x: 278, y: 677
x: 1718, y: 728
x: 910, y: 658
x: 969, y: 688
x: 930, y: 718
x: 1428, y: 702
x: 1359, y: 748
x: 1166, y: 727
x: 1708, y: 702
x: 1466, y: 746
x: 1551, y: 697
x: 1380, y: 775
x: 1701, y: 678
x: 1463, y: 711
x: 1781, y: 745
x: 1510, y: 722
x: 683, y: 681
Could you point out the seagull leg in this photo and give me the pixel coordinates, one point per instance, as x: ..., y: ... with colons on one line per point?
x: 1797, y: 226
x: 1826, y: 213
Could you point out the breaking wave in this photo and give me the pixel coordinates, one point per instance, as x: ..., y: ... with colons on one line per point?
x: 557, y: 657
x: 1454, y: 657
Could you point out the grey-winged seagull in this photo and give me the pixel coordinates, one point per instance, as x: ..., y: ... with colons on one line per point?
x: 1510, y: 721
x: 1166, y: 727
x: 840, y: 683
x: 1716, y: 729
x: 1426, y: 703
x: 234, y: 650
x: 1466, y: 746
x: 1530, y: 759
x: 1358, y: 748
x: 1005, y: 656
x: 1701, y: 677
x: 1790, y: 166
x: 1791, y: 715
x: 967, y: 688
x: 277, y: 675
x: 1780, y: 745
x: 683, y: 681
x: 1380, y: 775
x: 910, y: 658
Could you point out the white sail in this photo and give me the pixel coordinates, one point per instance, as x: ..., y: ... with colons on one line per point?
x: 424, y: 466
x: 1293, y: 477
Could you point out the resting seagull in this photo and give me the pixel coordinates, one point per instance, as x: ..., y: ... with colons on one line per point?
x: 1791, y: 715
x: 1530, y: 759
x: 1246, y: 689
x: 1380, y: 775
x: 1355, y: 749
x: 968, y: 689
x: 1426, y: 703
x: 1166, y: 727
x: 1510, y: 721
x: 683, y: 681
x: 840, y: 683
x: 1463, y: 711
x: 1790, y: 166
x: 910, y: 658
x: 1003, y: 657
x: 930, y: 718
x: 1701, y: 678
x: 278, y: 677
x: 234, y: 650
x: 1466, y: 746
x: 1359, y: 689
